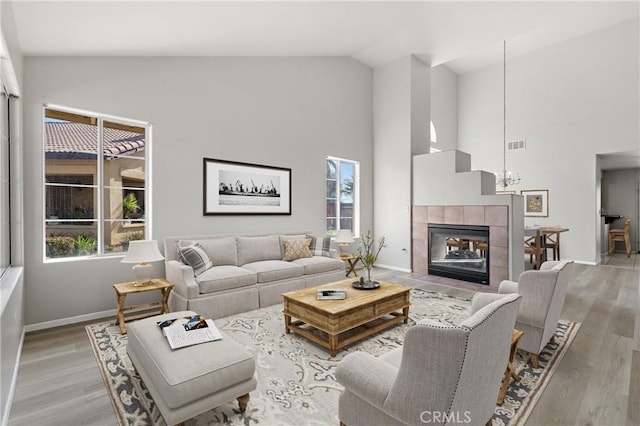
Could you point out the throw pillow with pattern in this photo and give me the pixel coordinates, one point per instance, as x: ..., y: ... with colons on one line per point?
x: 195, y: 256
x: 320, y: 246
x: 296, y: 249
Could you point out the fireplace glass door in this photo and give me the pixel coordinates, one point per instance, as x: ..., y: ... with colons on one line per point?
x: 459, y: 252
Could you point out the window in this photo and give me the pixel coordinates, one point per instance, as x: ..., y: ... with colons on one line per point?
x: 434, y: 138
x: 342, y: 195
x: 5, y: 168
x: 94, y: 204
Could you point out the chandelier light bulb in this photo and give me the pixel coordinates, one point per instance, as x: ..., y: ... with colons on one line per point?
x: 506, y: 179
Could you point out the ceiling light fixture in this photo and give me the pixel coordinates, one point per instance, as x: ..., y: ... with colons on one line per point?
x: 507, y: 177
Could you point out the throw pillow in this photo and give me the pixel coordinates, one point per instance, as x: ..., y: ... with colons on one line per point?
x: 195, y: 256
x: 320, y: 246
x: 296, y: 249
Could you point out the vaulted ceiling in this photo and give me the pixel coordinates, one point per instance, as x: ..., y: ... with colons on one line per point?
x: 463, y: 35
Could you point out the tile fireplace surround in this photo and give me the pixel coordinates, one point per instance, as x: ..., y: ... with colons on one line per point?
x: 495, y: 217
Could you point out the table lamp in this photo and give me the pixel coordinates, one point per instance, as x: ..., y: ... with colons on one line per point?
x: 141, y: 252
x: 344, y: 237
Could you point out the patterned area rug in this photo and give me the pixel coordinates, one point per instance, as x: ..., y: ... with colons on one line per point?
x: 296, y: 382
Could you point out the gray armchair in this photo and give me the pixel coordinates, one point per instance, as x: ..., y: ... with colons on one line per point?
x: 442, y: 374
x: 543, y: 293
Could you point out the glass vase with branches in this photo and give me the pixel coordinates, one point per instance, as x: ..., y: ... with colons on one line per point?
x: 368, y: 252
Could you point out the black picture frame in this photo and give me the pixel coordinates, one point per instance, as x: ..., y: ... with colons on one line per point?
x: 236, y: 188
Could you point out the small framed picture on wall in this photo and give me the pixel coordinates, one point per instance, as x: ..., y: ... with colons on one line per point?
x: 536, y: 202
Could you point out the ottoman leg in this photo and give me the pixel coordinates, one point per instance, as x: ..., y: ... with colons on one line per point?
x: 243, y: 401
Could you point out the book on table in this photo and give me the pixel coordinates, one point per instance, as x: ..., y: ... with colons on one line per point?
x: 187, y: 331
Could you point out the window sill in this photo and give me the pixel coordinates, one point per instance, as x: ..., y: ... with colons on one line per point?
x: 136, y: 225
x: 8, y: 283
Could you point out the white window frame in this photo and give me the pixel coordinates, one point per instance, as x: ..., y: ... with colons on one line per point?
x: 356, y: 194
x: 100, y: 187
x: 5, y: 185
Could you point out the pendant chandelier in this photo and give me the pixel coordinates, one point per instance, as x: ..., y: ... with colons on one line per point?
x: 506, y: 178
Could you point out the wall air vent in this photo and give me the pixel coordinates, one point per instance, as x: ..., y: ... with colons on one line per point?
x: 511, y: 146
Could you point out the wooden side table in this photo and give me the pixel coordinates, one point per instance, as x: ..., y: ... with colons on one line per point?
x: 352, y: 260
x: 510, y: 373
x: 123, y: 289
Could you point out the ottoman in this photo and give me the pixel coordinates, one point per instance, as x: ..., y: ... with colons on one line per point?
x: 188, y: 381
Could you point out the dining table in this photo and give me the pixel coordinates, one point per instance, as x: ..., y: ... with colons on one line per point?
x: 552, y: 235
x: 537, y: 239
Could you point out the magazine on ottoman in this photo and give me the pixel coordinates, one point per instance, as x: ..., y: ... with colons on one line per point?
x: 187, y: 331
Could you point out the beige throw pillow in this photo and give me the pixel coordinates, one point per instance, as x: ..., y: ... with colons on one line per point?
x: 296, y: 249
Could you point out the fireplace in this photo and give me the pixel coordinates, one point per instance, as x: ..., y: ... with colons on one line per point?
x: 459, y: 251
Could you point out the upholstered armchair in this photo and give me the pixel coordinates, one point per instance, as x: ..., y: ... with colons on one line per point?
x: 442, y: 374
x: 543, y: 293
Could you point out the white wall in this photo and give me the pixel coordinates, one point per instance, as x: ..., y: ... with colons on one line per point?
x: 401, y: 120
x: 286, y: 112
x: 444, y: 107
x: 570, y: 101
x: 620, y: 196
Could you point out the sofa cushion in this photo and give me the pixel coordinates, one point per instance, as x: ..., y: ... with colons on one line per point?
x: 274, y: 270
x: 320, y: 246
x: 319, y: 264
x: 194, y: 255
x: 225, y: 277
x: 296, y: 249
x: 255, y: 249
x: 222, y: 251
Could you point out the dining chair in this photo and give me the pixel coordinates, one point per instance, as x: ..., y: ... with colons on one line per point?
x: 620, y: 235
x: 534, y: 246
x: 552, y: 242
x: 458, y: 243
x: 481, y: 246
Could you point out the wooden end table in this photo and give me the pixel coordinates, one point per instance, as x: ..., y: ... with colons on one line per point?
x: 335, y: 317
x: 510, y: 373
x: 123, y: 289
x: 352, y: 261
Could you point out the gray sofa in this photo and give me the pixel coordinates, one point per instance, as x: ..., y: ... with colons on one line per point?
x: 247, y: 273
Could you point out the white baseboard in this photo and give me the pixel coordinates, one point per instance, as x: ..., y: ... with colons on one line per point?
x: 70, y: 320
x: 584, y: 262
x: 393, y: 268
x: 14, y: 382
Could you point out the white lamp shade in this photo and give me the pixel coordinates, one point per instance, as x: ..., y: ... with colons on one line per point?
x: 344, y: 236
x: 143, y: 251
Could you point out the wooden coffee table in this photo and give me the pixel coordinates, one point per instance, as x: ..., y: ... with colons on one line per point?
x: 354, y: 313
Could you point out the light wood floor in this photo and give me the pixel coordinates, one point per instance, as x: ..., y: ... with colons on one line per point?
x: 597, y: 383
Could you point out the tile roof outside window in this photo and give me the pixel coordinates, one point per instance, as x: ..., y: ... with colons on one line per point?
x: 66, y: 140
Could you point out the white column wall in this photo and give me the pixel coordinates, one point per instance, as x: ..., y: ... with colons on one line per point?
x: 444, y: 107
x: 401, y: 125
